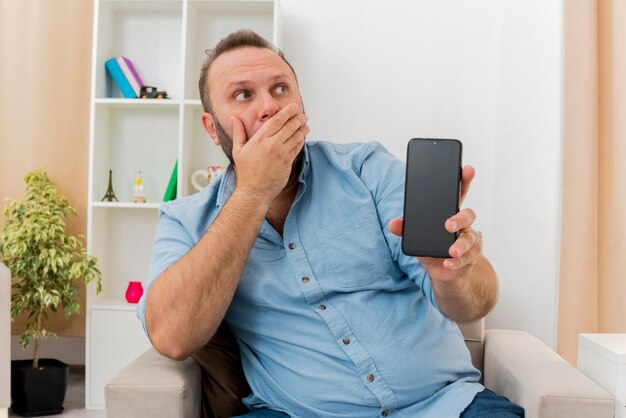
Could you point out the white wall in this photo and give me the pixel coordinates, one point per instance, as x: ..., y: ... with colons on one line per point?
x: 487, y: 72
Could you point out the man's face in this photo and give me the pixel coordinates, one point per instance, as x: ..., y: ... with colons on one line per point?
x: 251, y: 84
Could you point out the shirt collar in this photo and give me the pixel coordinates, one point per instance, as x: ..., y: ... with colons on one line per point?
x: 229, y: 178
x: 226, y: 186
x: 306, y: 165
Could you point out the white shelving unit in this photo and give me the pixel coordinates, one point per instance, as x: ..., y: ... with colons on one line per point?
x: 166, y: 40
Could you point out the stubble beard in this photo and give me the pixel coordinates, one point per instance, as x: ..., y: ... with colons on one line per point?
x: 226, y: 143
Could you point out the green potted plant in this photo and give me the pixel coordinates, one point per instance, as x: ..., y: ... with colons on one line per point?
x: 47, y: 265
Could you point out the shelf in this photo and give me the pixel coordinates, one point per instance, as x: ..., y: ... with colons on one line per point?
x: 134, y: 138
x: 111, y: 304
x: 238, y: 7
x: 146, y: 32
x: 121, y: 240
x: 166, y: 41
x: 126, y: 205
x: 199, y: 151
x: 116, y: 102
x: 193, y: 102
x: 210, y: 21
x: 142, y: 5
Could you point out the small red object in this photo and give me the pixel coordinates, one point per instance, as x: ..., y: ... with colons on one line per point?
x: 134, y: 292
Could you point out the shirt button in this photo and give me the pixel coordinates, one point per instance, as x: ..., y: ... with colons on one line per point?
x: 305, y: 280
x: 292, y: 246
x: 370, y: 377
x: 322, y: 307
x: 385, y: 413
x: 346, y: 340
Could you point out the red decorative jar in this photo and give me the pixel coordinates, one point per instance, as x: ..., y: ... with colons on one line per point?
x: 134, y: 292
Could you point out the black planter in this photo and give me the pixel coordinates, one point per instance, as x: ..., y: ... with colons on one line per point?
x: 38, y: 392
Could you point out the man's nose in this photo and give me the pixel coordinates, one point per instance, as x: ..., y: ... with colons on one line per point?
x: 269, y: 106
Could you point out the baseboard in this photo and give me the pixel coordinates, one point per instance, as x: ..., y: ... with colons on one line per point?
x: 70, y: 350
x: 4, y: 412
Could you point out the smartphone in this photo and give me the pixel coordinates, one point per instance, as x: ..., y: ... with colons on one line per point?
x: 431, y: 195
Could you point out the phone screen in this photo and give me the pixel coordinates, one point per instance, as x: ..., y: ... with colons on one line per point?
x: 431, y: 196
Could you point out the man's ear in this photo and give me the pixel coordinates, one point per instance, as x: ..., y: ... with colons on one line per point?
x: 209, y: 125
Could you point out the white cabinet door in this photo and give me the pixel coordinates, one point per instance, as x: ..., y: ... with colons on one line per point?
x: 119, y: 340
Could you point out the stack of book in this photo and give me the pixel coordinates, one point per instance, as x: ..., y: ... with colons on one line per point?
x: 125, y: 76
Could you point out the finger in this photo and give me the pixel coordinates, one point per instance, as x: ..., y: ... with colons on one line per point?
x: 276, y: 122
x: 298, y: 140
x: 298, y: 143
x: 291, y: 127
x: 469, y: 258
x: 467, y: 175
x: 464, y: 243
x: 293, y: 153
x: 462, y: 220
x: 239, y: 134
x: 395, y: 226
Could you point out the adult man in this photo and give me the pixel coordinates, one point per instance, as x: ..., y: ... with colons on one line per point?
x: 291, y: 248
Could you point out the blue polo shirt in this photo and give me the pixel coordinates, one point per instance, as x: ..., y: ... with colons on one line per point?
x: 332, y: 319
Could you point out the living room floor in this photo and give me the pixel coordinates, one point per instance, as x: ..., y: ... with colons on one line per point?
x: 75, y: 398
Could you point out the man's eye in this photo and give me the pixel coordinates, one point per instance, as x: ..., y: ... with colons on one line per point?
x: 242, y: 95
x: 281, y: 89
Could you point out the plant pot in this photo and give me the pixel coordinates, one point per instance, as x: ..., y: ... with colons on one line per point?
x: 38, y: 392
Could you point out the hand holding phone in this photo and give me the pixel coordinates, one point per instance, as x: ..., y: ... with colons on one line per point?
x: 431, y: 196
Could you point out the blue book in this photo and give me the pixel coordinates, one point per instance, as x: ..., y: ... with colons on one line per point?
x: 118, y: 76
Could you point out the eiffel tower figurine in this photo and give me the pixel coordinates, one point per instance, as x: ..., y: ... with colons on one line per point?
x: 110, y: 195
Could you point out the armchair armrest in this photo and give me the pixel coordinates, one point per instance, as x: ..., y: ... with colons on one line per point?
x: 529, y: 373
x: 5, y: 339
x: 154, y: 386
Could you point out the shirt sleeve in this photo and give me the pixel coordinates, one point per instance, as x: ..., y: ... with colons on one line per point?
x: 383, y: 174
x: 171, y: 242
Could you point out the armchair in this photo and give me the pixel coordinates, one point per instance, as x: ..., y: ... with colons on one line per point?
x: 514, y: 364
x: 5, y: 340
